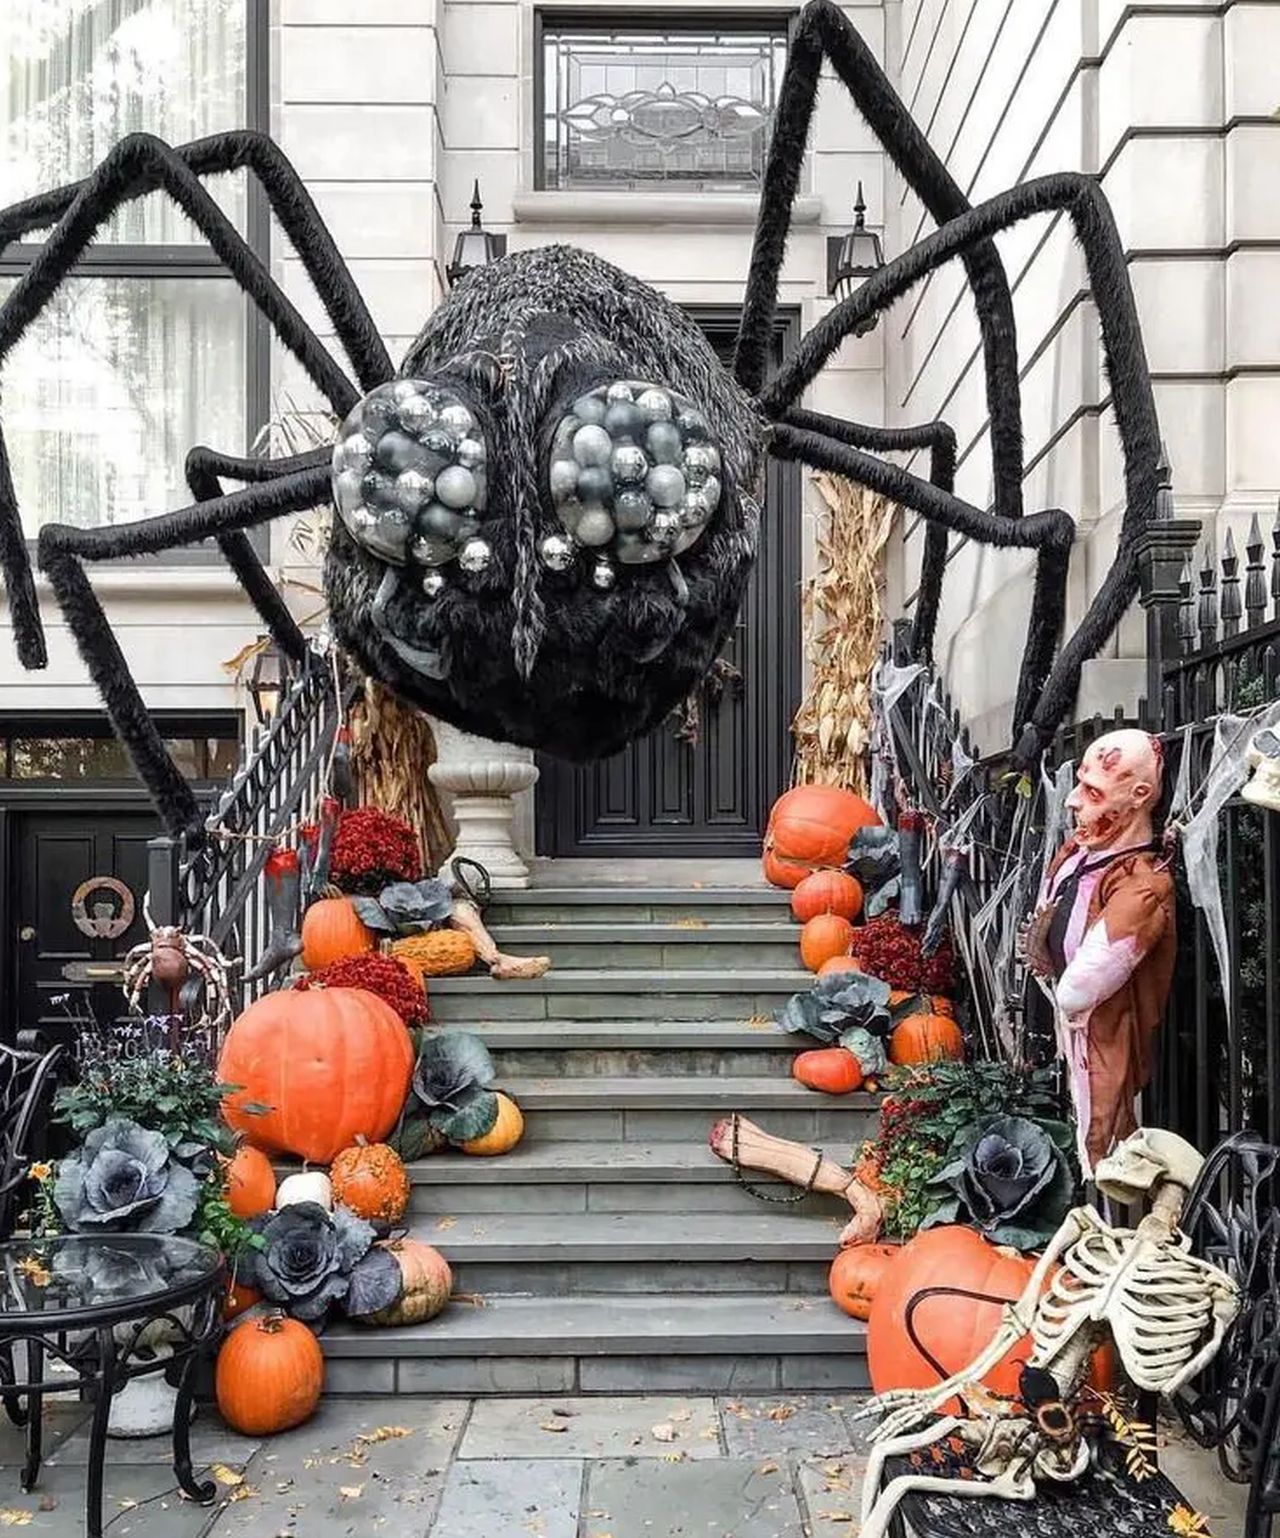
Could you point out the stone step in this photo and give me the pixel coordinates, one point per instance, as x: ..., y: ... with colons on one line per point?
x: 598, y: 1177
x: 683, y: 1108
x: 632, y: 1048
x: 729, y: 1343
x: 696, y: 944
x: 746, y: 904
x: 523, y: 1254
x: 590, y: 993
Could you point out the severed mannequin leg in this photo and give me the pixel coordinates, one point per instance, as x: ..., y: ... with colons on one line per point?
x: 466, y: 916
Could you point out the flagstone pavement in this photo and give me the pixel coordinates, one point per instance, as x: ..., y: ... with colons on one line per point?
x: 664, y: 1467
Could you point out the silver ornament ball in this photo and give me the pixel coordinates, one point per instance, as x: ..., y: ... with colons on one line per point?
x: 457, y: 420
x: 621, y: 391
x: 433, y: 584
x: 416, y: 414
x: 413, y: 488
x: 656, y: 405
x: 556, y: 552
x: 629, y: 463
x: 471, y: 452
x: 475, y: 555
x: 603, y: 576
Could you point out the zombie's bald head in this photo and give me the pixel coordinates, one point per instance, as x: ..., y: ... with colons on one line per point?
x: 1117, y: 787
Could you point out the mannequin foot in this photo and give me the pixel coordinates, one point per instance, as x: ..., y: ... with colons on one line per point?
x: 509, y: 968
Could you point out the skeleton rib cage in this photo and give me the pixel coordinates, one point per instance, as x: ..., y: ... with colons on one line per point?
x: 520, y: 652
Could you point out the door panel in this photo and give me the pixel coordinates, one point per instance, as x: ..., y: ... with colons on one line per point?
x: 665, y: 796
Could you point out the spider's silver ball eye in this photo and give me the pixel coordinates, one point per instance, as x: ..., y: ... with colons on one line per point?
x: 629, y: 463
x: 475, y: 555
x: 655, y: 404
x: 665, y: 485
x: 556, y: 552
x: 621, y: 391
x: 408, y: 463
x: 433, y: 584
x: 595, y: 527
x: 603, y: 576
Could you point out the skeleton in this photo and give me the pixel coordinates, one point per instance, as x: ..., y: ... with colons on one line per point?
x: 1166, y: 1311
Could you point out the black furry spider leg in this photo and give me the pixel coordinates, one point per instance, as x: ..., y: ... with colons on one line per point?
x: 299, y: 218
x: 1132, y: 395
x: 62, y: 548
x: 204, y: 468
x: 823, y: 29
x: 940, y: 440
x: 139, y: 157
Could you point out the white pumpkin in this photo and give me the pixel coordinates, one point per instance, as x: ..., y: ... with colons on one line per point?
x: 308, y: 1186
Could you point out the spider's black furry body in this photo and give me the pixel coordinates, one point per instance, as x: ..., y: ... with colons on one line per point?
x: 518, y: 648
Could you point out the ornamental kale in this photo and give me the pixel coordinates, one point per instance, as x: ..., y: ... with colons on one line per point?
x: 124, y: 1180
x: 406, y: 907
x: 307, y: 1257
x: 454, y: 1083
x: 837, y: 1004
x: 1010, y: 1177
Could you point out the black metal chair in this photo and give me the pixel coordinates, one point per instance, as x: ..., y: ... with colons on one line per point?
x: 1233, y: 1218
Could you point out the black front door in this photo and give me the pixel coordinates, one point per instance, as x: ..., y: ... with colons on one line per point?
x: 56, y: 856
x: 705, y: 789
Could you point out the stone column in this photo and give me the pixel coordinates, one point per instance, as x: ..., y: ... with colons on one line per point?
x: 482, y: 777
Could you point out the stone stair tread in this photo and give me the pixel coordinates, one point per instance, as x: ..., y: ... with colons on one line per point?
x: 638, y: 1034
x: 472, y: 1237
x: 578, y: 894
x: 745, y: 933
x: 722, y: 1093
x: 613, y: 1325
x: 629, y: 979
x: 599, y: 1163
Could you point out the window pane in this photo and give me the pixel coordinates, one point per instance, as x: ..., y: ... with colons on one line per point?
x: 70, y: 758
x: 630, y: 107
x: 109, y: 389
x: 83, y: 73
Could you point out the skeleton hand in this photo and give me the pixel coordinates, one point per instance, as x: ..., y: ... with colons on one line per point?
x: 904, y: 1410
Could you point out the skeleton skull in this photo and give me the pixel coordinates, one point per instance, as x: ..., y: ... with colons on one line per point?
x: 1147, y: 1158
x: 1117, y: 787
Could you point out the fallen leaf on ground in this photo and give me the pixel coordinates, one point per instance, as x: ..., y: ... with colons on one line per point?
x: 782, y: 1412
x: 224, y: 1475
x: 562, y: 1413
x: 385, y: 1434
x: 676, y: 1457
x: 14, y: 1516
x: 25, y: 1516
x: 242, y: 1493
x: 552, y: 1426
x: 48, y: 1503
x: 767, y: 1468
x: 664, y: 1432
x: 682, y: 1415
x: 836, y: 1516
x: 350, y: 1492
x: 446, y: 1222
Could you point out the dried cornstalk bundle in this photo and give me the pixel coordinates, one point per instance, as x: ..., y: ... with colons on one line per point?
x: 392, y: 746
x: 843, y: 617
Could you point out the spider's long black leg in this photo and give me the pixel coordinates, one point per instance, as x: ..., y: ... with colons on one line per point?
x: 299, y: 218
x: 140, y: 160
x: 205, y: 467
x: 1050, y: 533
x: 940, y: 440
x: 1132, y: 395
x: 62, y: 549
x: 823, y: 30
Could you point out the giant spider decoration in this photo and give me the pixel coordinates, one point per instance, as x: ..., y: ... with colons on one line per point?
x: 548, y: 513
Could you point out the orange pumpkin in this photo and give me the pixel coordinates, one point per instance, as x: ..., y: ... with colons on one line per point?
x: 370, y: 1179
x: 833, y: 1070
x: 270, y: 1375
x: 329, y: 1065
x: 827, y: 891
x: 238, y: 1298
x: 425, y: 1283
x: 826, y: 936
x: 505, y: 1133
x: 810, y: 827
x: 855, y: 1276
x: 332, y: 931
x: 839, y: 964
x: 903, y: 1004
x: 926, y: 1039
x: 250, y: 1182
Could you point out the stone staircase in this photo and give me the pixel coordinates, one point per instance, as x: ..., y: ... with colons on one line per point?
x: 611, y: 1251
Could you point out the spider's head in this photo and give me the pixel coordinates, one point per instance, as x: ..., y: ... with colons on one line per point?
x: 546, y: 525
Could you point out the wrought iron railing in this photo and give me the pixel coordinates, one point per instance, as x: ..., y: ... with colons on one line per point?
x: 216, y: 888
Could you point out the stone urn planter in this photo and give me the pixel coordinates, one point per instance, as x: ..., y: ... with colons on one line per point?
x: 483, y: 777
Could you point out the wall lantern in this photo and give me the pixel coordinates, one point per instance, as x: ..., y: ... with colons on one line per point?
x: 267, y: 679
x: 475, y: 247
x: 853, y: 257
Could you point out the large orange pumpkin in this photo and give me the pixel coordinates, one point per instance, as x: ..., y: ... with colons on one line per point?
x: 332, y: 931
x: 270, y: 1375
x: 856, y: 1274
x: 827, y: 891
x: 833, y: 1070
x: 425, y: 1283
x: 926, y: 1039
x: 809, y: 827
x: 954, y: 1329
x: 251, y: 1182
x: 371, y: 1180
x: 329, y: 1065
x: 823, y: 937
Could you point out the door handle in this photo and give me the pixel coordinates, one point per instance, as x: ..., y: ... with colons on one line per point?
x: 26, y: 933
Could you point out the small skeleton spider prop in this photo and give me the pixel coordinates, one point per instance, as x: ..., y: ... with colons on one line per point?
x: 547, y: 514
x: 1166, y: 1311
x: 183, y: 964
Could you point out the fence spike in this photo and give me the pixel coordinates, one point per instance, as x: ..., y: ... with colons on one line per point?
x: 1275, y: 564
x: 1208, y: 615
x: 1255, y: 587
x: 1187, y: 606
x: 1231, y: 605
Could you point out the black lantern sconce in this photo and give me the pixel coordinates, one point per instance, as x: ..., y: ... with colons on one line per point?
x: 476, y: 246
x: 268, y: 679
x: 853, y: 257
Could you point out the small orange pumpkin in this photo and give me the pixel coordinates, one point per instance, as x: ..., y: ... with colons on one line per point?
x: 838, y: 964
x: 926, y: 1039
x: 270, y: 1375
x: 370, y: 1179
x: 332, y: 931
x: 903, y: 1004
x: 810, y: 827
x: 827, y: 891
x: 855, y: 1276
x: 505, y: 1133
x: 823, y: 937
x: 833, y: 1070
x: 251, y: 1182
x: 425, y: 1283
x: 237, y: 1299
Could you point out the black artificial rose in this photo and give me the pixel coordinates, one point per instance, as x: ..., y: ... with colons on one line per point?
x: 304, y: 1257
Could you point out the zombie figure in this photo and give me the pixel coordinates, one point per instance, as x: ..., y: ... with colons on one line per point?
x: 1104, y: 934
